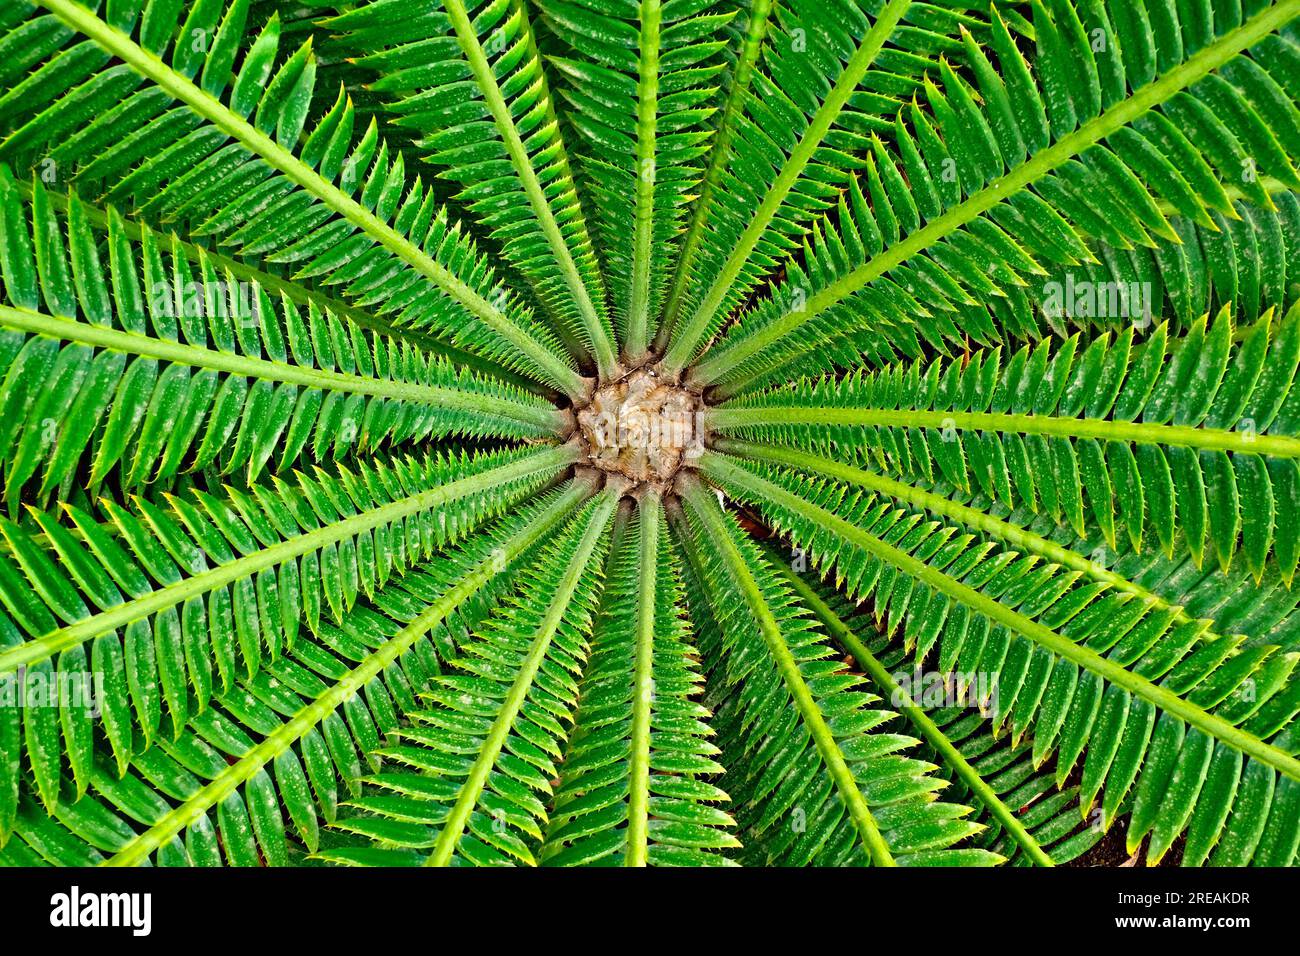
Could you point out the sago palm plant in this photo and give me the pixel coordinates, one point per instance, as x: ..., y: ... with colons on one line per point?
x: 649, y: 431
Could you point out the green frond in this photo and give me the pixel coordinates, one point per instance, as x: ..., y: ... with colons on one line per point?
x: 811, y: 122
x: 165, y: 368
x: 1076, y: 556
x: 752, y: 27
x: 820, y: 783
x: 1031, y: 821
x: 1190, y: 441
x: 205, y: 589
x: 226, y: 156
x: 640, y: 81
x: 466, y: 81
x: 1238, y: 263
x: 299, y: 292
x: 1262, y: 610
x: 295, y: 736
x: 635, y: 781
x: 989, y: 610
x: 477, y: 760
x: 1019, y: 179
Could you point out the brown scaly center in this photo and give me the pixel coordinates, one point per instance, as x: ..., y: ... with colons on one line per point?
x: 643, y: 427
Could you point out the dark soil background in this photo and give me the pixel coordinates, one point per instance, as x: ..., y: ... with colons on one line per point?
x: 1110, y: 850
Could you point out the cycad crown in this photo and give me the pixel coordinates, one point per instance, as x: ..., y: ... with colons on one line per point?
x: 675, y: 432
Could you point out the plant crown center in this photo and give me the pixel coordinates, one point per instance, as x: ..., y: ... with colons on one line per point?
x: 642, y: 426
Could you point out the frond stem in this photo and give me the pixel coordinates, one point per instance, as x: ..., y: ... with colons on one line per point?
x: 1144, y: 433
x: 638, y: 313
x: 643, y: 680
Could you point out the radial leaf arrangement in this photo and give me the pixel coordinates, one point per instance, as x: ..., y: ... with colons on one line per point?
x: 649, y: 432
